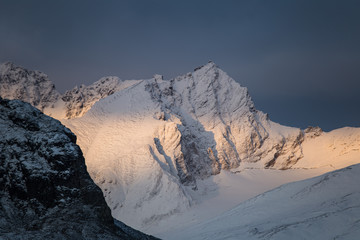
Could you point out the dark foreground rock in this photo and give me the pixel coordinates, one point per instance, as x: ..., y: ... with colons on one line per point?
x: 45, y: 190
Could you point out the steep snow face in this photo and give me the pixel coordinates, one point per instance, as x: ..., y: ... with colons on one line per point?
x: 45, y: 190
x: 325, y: 207
x: 117, y: 137
x: 33, y: 87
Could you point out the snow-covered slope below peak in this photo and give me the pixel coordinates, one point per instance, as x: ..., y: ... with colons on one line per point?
x: 117, y: 138
x: 33, y: 87
x: 325, y: 207
x: 80, y: 99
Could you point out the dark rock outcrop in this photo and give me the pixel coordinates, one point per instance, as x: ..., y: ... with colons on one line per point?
x: 45, y: 190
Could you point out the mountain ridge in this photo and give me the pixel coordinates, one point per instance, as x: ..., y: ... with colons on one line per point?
x: 36, y: 88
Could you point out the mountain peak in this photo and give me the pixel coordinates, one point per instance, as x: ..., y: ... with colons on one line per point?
x: 6, y: 66
x: 158, y: 77
x: 8, y: 63
x: 10, y: 66
x: 19, y: 72
x: 207, y: 66
x: 30, y: 86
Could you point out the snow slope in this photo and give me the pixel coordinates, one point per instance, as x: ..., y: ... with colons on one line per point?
x: 154, y: 146
x: 325, y: 207
x: 119, y: 148
x: 227, y: 189
x: 336, y: 149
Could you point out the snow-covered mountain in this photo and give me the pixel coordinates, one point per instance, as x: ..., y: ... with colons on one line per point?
x: 325, y: 207
x: 45, y: 190
x: 150, y: 146
x: 171, y: 153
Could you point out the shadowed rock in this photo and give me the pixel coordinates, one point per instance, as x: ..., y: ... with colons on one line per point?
x: 45, y: 190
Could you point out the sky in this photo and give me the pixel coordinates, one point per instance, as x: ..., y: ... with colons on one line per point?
x: 300, y: 60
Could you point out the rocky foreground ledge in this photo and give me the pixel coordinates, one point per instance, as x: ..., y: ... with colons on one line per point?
x: 45, y: 189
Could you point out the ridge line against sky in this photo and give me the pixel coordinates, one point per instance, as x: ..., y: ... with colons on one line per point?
x: 299, y: 59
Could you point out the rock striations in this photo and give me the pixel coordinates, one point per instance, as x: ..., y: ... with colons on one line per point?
x: 80, y: 99
x: 45, y: 190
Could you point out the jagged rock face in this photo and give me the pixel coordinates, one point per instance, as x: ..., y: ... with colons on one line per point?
x: 80, y: 99
x: 33, y: 87
x: 45, y: 190
x: 219, y: 126
x: 313, y: 132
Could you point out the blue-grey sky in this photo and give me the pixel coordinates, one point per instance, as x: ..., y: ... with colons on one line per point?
x: 299, y: 59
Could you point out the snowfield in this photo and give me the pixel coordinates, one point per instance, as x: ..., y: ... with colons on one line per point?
x: 325, y: 207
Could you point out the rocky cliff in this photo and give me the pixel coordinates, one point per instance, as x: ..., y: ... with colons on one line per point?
x: 45, y: 190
